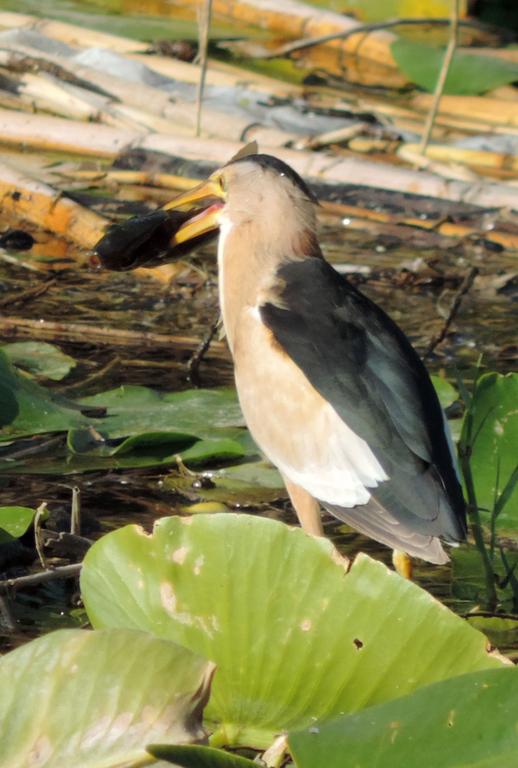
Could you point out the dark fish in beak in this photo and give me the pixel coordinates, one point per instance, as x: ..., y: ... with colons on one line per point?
x: 148, y: 241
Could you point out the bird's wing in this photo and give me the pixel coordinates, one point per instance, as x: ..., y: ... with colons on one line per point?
x: 364, y: 366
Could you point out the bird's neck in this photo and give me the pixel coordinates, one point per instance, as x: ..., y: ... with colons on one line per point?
x: 249, y: 258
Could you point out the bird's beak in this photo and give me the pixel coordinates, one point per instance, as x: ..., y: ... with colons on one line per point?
x: 208, y: 220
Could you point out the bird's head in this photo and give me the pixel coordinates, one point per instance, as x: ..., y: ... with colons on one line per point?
x: 257, y: 192
x: 261, y: 197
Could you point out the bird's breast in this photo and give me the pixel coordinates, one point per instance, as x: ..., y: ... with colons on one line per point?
x: 294, y: 426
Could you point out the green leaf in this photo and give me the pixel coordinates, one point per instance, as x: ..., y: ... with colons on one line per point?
x: 40, y: 358
x: 295, y: 638
x: 135, y: 410
x: 29, y: 409
x: 446, y: 392
x: 194, y: 756
x: 95, y: 699
x: 14, y: 521
x: 466, y: 722
x: 494, y: 437
x: 469, y: 73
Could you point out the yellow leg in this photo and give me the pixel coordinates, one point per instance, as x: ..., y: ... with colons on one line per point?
x: 306, y: 507
x: 402, y: 563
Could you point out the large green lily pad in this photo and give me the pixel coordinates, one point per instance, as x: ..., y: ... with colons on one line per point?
x: 295, y: 637
x: 466, y: 722
x: 96, y: 699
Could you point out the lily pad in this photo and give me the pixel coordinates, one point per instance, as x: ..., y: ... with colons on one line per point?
x: 89, y: 699
x: 39, y: 358
x: 296, y: 638
x: 29, y: 409
x: 469, y: 73
x: 136, y: 410
x: 14, y: 522
x: 491, y: 429
x: 467, y: 721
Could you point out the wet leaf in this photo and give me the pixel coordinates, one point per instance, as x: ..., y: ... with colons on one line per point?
x: 86, y: 699
x: 39, y: 358
x: 494, y: 435
x: 14, y: 521
x: 263, y: 600
x: 469, y: 74
x: 467, y: 721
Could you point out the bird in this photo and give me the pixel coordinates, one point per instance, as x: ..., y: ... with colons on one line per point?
x: 330, y: 387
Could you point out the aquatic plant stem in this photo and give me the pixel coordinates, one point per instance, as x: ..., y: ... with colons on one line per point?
x: 441, y: 80
x: 474, y: 515
x: 205, y: 12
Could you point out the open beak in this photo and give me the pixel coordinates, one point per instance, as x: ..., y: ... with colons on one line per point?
x: 208, y: 220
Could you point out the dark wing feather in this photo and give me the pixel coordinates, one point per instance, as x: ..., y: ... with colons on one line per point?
x: 363, y: 364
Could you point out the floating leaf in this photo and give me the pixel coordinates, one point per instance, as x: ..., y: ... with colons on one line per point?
x: 30, y: 409
x: 467, y: 721
x: 469, y: 73
x: 494, y: 437
x: 267, y: 603
x: 135, y: 410
x: 91, y: 699
x: 39, y: 358
x: 14, y: 521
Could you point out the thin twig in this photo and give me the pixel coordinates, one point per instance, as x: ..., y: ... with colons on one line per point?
x: 364, y: 29
x: 205, y: 12
x: 96, y: 334
x: 441, y: 80
x: 30, y: 293
x: 199, y: 353
x: 75, y: 513
x: 6, y: 620
x: 38, y: 519
x: 51, y: 574
x: 93, y: 377
x: 455, y: 306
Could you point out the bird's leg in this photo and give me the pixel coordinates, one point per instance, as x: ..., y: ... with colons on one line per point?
x: 402, y: 563
x: 306, y: 507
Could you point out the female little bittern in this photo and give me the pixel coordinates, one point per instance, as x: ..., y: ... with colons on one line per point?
x: 330, y: 387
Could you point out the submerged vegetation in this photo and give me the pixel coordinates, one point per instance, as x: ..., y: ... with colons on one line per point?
x: 196, y: 626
